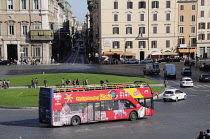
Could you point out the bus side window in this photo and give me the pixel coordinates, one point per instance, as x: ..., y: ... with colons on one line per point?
x: 127, y: 104
x: 141, y: 101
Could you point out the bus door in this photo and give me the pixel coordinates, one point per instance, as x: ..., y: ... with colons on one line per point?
x: 94, y: 111
x: 149, y: 106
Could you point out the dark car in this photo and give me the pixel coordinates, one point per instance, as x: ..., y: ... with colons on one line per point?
x: 189, y: 63
x: 186, y: 71
x: 4, y: 62
x: 177, y: 59
x: 204, y: 78
x: 164, y: 60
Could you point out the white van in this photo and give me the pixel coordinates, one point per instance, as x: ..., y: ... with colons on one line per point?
x: 170, y: 70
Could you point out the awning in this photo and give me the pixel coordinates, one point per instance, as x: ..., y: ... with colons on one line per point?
x: 112, y: 53
x: 156, y: 53
x: 187, y: 50
x: 170, y: 53
x: 129, y: 54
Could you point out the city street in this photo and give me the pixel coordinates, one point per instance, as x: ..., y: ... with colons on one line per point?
x: 173, y: 120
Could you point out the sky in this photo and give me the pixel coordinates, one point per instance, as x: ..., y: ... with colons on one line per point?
x: 79, y: 9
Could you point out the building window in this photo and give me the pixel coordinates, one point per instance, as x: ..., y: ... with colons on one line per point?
x: 129, y: 5
x: 128, y: 17
x: 193, y: 7
x: 155, y: 4
x: 115, y: 17
x: 141, y: 30
x: 154, y: 44
x: 128, y: 30
x: 155, y: 30
x: 142, y: 5
x: 37, y: 52
x: 11, y: 30
x: 115, y: 30
x: 154, y: 17
x: 129, y: 44
x: 116, y: 5
x: 181, y: 18
x: 208, y: 25
x: 23, y: 4
x: 25, y: 50
x: 182, y: 7
x: 192, y: 29
x: 142, y: 44
x: 193, y: 18
x: 202, y: 13
x: 201, y: 36
x: 168, y: 17
x: 201, y: 26
x: 36, y: 26
x: 0, y: 29
x: 193, y: 41
x: 168, y: 29
x: 24, y: 30
x: 10, y: 4
x: 36, y: 4
x: 202, y: 2
x: 168, y: 4
x: 181, y: 41
x: 167, y: 43
x: 141, y: 17
x: 208, y: 36
x: 116, y: 44
x: 181, y: 29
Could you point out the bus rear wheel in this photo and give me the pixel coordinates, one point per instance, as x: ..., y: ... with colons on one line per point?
x: 75, y: 121
x: 133, y: 116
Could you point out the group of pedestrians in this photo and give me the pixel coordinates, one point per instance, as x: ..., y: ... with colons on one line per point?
x: 75, y: 82
x: 35, y: 82
x: 4, y: 84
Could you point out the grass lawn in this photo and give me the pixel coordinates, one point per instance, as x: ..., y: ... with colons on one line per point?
x: 29, y: 97
x: 55, y: 79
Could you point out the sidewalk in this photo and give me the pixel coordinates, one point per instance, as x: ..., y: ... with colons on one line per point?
x: 28, y: 87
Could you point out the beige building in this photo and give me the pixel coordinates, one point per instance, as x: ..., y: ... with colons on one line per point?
x: 203, y: 27
x: 26, y: 28
x: 187, y: 28
x: 129, y: 28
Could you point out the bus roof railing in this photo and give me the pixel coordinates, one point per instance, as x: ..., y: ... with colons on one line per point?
x: 136, y: 84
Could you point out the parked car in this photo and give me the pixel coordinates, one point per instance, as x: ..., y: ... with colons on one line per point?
x: 189, y: 63
x: 174, y: 95
x: 147, y: 60
x: 204, y: 78
x: 4, y: 62
x: 132, y: 61
x: 176, y: 59
x: 164, y: 60
x: 186, y: 82
x: 186, y: 71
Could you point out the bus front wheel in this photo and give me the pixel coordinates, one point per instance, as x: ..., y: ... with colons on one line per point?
x: 133, y: 116
x: 75, y: 120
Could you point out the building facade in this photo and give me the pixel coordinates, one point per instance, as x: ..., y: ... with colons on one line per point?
x: 27, y: 29
x: 149, y: 28
x: 203, y: 27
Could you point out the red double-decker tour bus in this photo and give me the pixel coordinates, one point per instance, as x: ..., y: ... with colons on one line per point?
x: 72, y: 106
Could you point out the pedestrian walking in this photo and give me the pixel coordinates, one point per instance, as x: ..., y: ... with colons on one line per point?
x: 62, y: 82
x: 74, y: 82
x: 77, y: 82
x: 165, y: 83
x: 1, y: 83
x: 86, y: 81
x: 32, y: 83
x: 45, y: 82
x: 68, y: 82
x: 36, y: 83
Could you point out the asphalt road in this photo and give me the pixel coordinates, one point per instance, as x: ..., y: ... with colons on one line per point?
x: 172, y: 120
